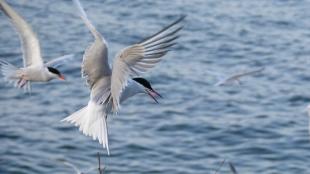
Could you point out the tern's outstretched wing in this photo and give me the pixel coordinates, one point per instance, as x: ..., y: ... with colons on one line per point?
x: 239, y: 75
x: 60, y: 60
x: 95, y: 60
x: 139, y: 58
x: 29, y: 40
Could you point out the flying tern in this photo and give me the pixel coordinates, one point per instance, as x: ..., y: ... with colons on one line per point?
x: 111, y: 86
x: 78, y: 171
x: 235, y: 78
x: 34, y: 70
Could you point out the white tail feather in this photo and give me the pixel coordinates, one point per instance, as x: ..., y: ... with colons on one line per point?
x: 7, y: 70
x: 10, y: 75
x: 92, y: 121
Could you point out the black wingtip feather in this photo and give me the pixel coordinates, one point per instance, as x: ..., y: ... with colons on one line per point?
x: 156, y: 55
x: 164, y: 47
x: 167, y: 35
x: 165, y: 28
x: 163, y: 42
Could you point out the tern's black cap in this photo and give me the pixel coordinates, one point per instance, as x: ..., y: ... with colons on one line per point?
x: 53, y: 70
x: 143, y: 82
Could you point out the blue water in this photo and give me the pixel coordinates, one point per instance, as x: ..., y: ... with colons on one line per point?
x: 260, y: 126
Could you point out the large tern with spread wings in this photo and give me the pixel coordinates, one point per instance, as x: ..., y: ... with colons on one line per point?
x: 111, y: 86
x: 34, y: 70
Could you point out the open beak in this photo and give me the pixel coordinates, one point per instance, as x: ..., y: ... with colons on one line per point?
x: 153, y: 94
x: 61, y: 77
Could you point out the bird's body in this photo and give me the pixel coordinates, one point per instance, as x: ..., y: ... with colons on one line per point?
x: 33, y: 73
x: 34, y: 70
x: 235, y: 78
x: 112, y: 86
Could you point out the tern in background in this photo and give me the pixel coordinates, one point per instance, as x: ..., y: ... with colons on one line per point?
x: 34, y: 70
x: 235, y: 78
x: 111, y: 86
x: 78, y: 171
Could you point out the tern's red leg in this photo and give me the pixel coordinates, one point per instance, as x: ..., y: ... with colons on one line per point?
x: 23, y: 83
x: 20, y: 80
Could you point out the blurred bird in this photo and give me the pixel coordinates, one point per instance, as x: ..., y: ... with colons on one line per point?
x: 34, y: 70
x: 235, y: 78
x: 78, y: 171
x: 109, y: 87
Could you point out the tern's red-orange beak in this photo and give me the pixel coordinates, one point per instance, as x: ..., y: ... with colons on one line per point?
x: 61, y: 77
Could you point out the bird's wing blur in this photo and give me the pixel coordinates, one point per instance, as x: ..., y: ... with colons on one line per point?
x: 236, y: 77
x: 239, y: 75
x: 72, y: 166
x: 95, y: 60
x: 139, y: 58
x: 60, y: 60
x: 29, y: 40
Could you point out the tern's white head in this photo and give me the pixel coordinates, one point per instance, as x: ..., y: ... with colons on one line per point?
x: 147, y: 88
x: 53, y: 73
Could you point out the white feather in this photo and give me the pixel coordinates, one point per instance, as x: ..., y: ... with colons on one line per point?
x: 92, y: 121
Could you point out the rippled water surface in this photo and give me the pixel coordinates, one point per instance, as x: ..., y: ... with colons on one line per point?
x: 260, y: 126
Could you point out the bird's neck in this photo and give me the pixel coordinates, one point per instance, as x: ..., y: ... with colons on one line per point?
x: 47, y: 75
x: 132, y: 89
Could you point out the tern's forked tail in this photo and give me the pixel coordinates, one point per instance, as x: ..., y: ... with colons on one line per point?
x: 7, y: 70
x: 11, y: 73
x: 92, y: 121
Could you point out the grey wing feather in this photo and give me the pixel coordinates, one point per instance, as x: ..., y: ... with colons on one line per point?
x: 60, y: 60
x: 29, y: 40
x: 95, y: 60
x: 95, y: 65
x: 85, y: 19
x: 239, y: 75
